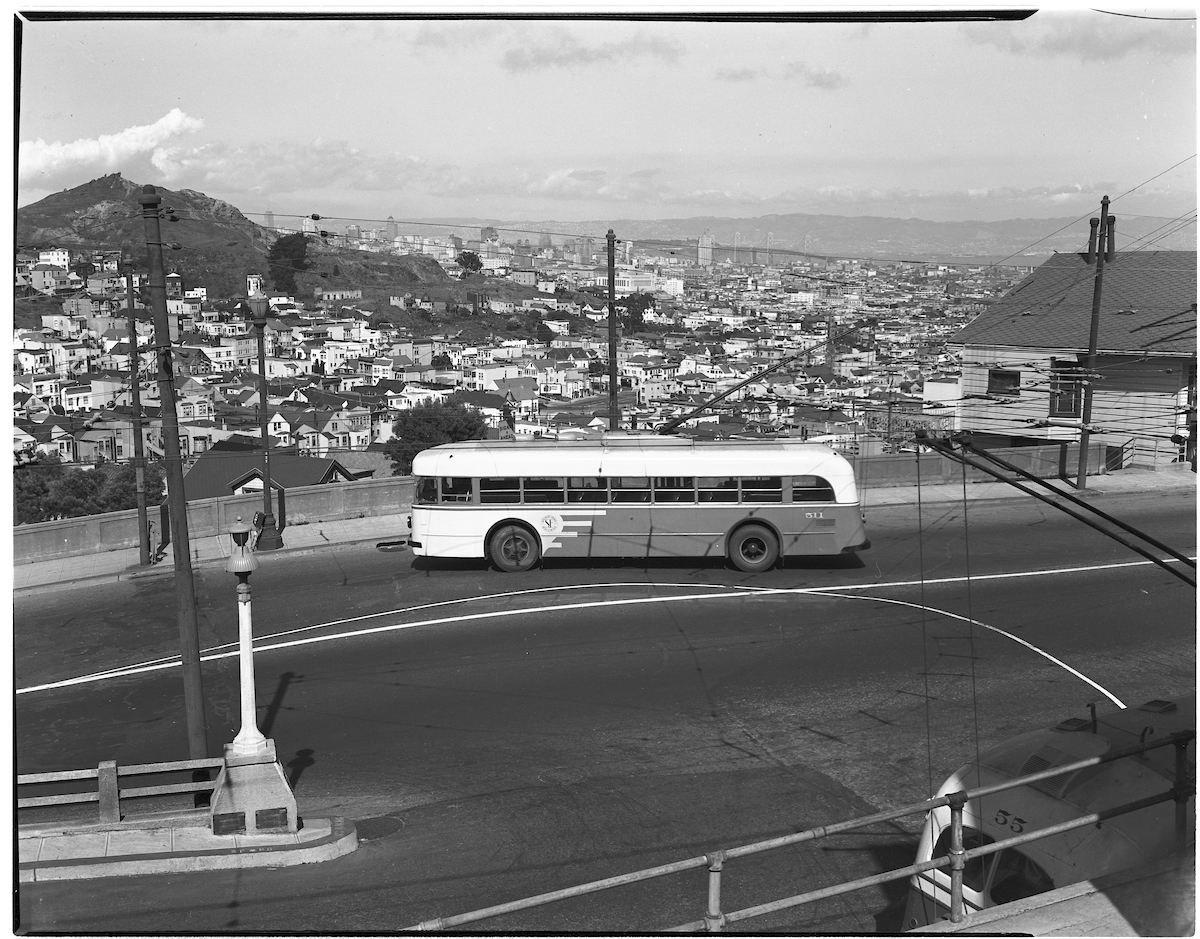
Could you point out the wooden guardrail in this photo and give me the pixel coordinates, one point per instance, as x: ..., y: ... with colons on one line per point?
x: 108, y: 791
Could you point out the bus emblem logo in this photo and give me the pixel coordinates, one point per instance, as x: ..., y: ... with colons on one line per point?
x: 552, y: 523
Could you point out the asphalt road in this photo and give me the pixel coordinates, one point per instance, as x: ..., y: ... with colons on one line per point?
x: 495, y: 736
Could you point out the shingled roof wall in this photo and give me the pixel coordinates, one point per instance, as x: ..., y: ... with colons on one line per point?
x: 1148, y: 304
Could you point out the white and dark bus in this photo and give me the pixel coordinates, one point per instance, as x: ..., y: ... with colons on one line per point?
x: 634, y: 496
x: 1146, y: 836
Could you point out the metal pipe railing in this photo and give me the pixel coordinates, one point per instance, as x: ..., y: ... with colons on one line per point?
x: 949, y: 861
x: 956, y: 860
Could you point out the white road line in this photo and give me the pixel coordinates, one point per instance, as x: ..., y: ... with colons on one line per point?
x: 996, y: 629
x: 730, y: 591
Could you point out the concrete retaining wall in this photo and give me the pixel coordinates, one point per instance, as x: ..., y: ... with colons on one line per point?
x: 1061, y: 460
x: 93, y: 534
x: 393, y: 496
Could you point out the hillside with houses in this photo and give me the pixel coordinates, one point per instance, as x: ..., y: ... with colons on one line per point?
x: 861, y: 354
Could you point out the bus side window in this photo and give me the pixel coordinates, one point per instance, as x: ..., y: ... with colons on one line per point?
x: 426, y: 490
x: 811, y: 489
x: 1017, y: 877
x: 456, y: 489
x: 718, y: 488
x: 976, y: 870
x: 543, y: 490
x: 630, y: 488
x: 762, y: 489
x: 493, y: 489
x: 587, y: 489
x: 674, y: 489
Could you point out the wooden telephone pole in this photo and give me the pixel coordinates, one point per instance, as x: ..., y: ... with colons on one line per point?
x: 614, y: 408
x: 185, y: 588
x: 1101, y: 248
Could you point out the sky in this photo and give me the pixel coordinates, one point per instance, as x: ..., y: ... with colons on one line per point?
x: 582, y: 119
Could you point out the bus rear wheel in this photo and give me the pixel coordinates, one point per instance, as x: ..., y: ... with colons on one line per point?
x: 513, y: 549
x: 753, y: 549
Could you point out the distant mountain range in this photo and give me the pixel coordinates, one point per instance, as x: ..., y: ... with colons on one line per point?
x: 859, y: 236
x: 220, y: 245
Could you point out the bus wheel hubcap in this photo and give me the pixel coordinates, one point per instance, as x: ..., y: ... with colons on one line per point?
x: 753, y: 549
x: 515, y: 549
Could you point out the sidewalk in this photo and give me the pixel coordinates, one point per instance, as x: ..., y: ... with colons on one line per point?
x: 213, y: 549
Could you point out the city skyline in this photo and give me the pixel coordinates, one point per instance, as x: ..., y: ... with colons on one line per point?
x: 584, y: 119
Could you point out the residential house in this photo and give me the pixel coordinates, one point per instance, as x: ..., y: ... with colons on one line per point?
x: 1024, y: 371
x: 489, y: 405
x: 524, y: 392
x: 34, y: 439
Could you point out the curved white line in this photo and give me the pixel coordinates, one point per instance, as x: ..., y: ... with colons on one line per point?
x: 159, y: 665
x: 171, y: 661
x: 996, y: 629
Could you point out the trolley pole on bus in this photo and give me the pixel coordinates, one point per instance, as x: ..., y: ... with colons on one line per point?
x: 614, y: 408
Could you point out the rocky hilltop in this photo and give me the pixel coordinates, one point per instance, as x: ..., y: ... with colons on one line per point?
x: 218, y: 245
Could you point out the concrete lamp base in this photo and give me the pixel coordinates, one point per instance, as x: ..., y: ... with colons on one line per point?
x: 252, y: 795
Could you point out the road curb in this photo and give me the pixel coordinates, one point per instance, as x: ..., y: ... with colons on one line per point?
x: 341, y: 840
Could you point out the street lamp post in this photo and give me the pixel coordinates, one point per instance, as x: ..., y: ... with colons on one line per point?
x: 243, y: 563
x: 269, y: 539
x: 252, y: 794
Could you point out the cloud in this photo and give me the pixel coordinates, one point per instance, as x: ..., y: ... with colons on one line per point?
x: 738, y: 74
x: 1092, y: 36
x: 450, y: 37
x: 39, y: 162
x: 823, y: 78
x: 285, y: 166
x: 565, y: 51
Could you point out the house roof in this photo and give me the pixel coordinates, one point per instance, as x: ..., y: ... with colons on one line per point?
x: 1148, y: 304
x: 482, y: 399
x: 217, y: 471
x: 523, y: 389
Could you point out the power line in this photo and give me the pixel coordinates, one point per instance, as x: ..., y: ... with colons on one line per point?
x: 1142, y: 16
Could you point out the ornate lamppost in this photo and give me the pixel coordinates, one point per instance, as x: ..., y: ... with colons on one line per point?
x: 269, y: 539
x: 252, y: 793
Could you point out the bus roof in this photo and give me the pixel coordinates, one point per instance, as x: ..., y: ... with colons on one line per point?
x: 642, y: 455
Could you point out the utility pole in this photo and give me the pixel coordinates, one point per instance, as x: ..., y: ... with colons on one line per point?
x: 614, y: 409
x: 1101, y: 248
x: 139, y: 458
x: 185, y: 589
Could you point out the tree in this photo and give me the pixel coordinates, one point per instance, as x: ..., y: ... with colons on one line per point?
x: 46, y: 490
x: 545, y: 334
x: 428, y: 425
x: 470, y: 263
x: 31, y: 486
x: 286, y: 258
x: 441, y: 360
x: 637, y: 304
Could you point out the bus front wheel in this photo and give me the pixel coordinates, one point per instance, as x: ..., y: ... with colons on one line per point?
x: 513, y: 549
x: 753, y: 549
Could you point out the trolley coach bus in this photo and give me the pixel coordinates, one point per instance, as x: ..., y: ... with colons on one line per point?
x: 1136, y: 839
x: 633, y: 496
